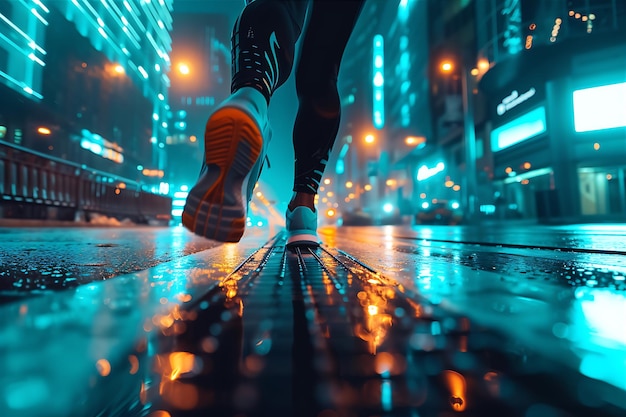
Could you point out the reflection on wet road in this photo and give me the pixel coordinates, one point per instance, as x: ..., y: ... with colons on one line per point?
x: 33, y: 261
x: 376, y: 322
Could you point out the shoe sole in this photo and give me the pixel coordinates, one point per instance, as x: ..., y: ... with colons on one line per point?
x: 233, y: 144
x: 303, y: 239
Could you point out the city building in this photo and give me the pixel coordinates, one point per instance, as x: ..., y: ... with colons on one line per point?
x: 83, y: 85
x: 453, y: 173
x: 515, y: 108
x: 401, y: 148
x: 557, y: 108
x: 87, y: 81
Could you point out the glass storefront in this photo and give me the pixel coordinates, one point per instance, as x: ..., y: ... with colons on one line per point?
x: 602, y: 190
x: 525, y: 196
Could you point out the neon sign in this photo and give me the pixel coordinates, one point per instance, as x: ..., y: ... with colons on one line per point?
x: 424, y: 172
x: 513, y: 100
x: 524, y: 127
x: 378, y: 81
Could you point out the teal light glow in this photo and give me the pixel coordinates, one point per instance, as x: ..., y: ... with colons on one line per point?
x: 404, y: 10
x: 524, y: 127
x: 527, y: 175
x: 596, y: 330
x: 21, y: 36
x: 378, y: 81
x: 386, y: 395
x: 600, y: 108
x: 340, y: 168
x: 344, y: 150
x: 424, y: 172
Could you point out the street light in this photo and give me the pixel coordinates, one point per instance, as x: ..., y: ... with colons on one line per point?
x: 483, y: 65
x: 415, y: 140
x: 447, y: 66
x: 470, y: 142
x: 469, y: 135
x: 183, y: 68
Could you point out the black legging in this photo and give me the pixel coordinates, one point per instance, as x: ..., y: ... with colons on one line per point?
x: 263, y: 45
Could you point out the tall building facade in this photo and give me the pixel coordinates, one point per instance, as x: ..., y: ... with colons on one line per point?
x: 556, y: 107
x: 452, y: 52
x: 528, y: 115
x: 86, y: 81
x: 386, y: 123
x: 517, y: 107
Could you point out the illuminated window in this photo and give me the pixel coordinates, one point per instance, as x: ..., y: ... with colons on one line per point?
x: 600, y: 108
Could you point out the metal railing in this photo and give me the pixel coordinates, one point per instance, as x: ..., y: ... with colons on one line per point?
x: 34, y: 185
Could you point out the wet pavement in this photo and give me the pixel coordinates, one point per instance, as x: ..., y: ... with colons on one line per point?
x: 390, y: 321
x: 35, y: 260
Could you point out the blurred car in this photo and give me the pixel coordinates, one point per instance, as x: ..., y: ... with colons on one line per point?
x: 357, y: 218
x: 441, y: 212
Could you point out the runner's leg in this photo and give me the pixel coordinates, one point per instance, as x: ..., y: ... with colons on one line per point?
x: 317, y: 121
x: 263, y: 44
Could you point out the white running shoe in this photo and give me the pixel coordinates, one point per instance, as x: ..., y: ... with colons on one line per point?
x: 302, y: 227
x: 235, y: 143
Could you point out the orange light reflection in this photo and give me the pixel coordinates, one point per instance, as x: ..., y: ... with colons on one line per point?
x: 180, y: 363
x: 134, y: 364
x: 457, y: 387
x: 103, y: 366
x: 376, y: 320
